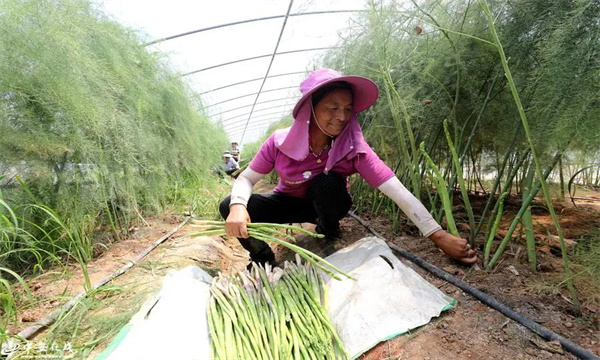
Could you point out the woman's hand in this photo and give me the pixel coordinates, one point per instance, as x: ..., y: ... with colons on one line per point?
x: 235, y: 225
x: 455, y: 247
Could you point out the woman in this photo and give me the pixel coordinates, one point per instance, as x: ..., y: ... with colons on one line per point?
x: 229, y: 164
x: 313, y: 159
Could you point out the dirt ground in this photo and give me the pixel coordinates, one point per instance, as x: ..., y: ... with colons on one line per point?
x: 475, y: 331
x: 470, y: 331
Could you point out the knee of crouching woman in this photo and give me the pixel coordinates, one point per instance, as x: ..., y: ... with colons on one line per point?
x: 224, y: 207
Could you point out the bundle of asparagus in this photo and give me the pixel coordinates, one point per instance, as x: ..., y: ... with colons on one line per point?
x: 272, y: 313
x: 268, y: 233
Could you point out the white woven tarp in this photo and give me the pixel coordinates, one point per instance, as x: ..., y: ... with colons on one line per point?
x: 172, y: 325
x: 387, y: 299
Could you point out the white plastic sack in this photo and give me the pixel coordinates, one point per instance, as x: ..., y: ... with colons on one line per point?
x: 386, y: 300
x: 171, y: 326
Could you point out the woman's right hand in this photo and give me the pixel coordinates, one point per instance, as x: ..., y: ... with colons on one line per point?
x: 235, y: 225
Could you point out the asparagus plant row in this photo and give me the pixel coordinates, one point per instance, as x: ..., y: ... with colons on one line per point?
x: 442, y: 190
x: 272, y: 313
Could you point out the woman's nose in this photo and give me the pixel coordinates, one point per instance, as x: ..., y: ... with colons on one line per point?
x: 342, y: 115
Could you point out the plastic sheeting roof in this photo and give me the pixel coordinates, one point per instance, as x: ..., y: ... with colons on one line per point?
x: 231, y: 105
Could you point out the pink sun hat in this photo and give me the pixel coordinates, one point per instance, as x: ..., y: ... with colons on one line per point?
x: 365, y: 91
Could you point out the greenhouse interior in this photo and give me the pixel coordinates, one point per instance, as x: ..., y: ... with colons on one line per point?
x: 300, y: 179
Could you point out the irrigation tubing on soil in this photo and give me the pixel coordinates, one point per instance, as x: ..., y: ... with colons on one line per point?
x: 545, y: 333
x: 572, y: 179
x: 51, y: 318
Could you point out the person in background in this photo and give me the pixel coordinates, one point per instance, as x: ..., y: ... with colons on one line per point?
x: 229, y: 164
x: 313, y: 158
x: 235, y: 151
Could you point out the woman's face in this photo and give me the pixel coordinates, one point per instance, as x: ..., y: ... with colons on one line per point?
x: 334, y: 111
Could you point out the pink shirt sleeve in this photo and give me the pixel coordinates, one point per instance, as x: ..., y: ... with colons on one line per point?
x: 264, y: 161
x: 373, y: 169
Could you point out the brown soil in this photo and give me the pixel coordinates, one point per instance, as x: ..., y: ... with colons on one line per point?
x: 179, y: 251
x: 470, y: 331
x: 474, y: 331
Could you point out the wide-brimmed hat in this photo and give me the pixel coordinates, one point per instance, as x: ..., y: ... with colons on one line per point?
x: 365, y: 91
x: 227, y: 154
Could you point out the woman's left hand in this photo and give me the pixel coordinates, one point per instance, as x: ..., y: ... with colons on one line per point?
x: 455, y: 247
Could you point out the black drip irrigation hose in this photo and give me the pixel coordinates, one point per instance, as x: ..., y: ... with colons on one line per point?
x: 538, y: 329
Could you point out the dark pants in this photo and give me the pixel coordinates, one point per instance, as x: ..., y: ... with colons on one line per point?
x: 327, y: 202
